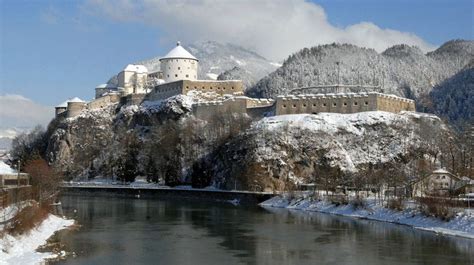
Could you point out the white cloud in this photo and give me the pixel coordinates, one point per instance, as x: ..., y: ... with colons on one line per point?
x: 17, y: 111
x: 273, y: 28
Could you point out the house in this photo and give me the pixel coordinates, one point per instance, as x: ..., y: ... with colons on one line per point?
x: 465, y: 186
x: 439, y: 183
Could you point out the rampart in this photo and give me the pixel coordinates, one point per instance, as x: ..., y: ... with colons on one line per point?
x: 342, y: 103
x: 163, y: 91
x: 104, y: 101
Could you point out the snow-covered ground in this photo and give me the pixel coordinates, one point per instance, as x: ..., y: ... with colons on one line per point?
x: 22, y: 249
x: 461, y: 225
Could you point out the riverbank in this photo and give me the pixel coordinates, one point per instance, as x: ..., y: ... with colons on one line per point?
x: 461, y: 225
x: 21, y: 249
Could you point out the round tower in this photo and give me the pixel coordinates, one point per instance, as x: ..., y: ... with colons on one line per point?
x: 179, y: 64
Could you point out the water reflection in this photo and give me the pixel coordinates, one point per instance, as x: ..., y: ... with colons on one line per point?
x: 134, y: 231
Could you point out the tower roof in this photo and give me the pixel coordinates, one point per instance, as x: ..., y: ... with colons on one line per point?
x: 64, y: 104
x: 179, y: 52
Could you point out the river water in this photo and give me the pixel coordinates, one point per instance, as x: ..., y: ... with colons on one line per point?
x: 138, y: 231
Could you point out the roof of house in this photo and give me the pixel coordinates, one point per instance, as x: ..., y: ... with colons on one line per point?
x: 137, y: 68
x: 105, y: 86
x: 179, y: 52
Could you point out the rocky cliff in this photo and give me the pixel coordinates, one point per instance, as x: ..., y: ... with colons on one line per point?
x: 164, y: 141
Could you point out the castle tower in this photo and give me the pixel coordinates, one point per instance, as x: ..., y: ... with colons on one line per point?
x: 179, y: 64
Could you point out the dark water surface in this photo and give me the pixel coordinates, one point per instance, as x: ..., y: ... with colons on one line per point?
x: 139, y: 231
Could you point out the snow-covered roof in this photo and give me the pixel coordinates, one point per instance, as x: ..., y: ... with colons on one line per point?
x: 64, y: 104
x: 105, y: 86
x: 137, y: 68
x: 6, y: 169
x: 178, y: 52
x: 441, y: 171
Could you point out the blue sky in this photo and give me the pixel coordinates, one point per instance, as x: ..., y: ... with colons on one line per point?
x: 53, y: 50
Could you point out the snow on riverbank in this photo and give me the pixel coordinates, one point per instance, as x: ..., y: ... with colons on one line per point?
x: 461, y: 225
x: 22, y: 249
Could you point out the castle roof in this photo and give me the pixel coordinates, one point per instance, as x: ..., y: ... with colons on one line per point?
x: 137, y: 68
x: 105, y: 86
x: 64, y: 104
x: 179, y: 52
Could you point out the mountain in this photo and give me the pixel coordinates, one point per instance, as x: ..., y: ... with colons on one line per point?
x: 453, y: 99
x: 401, y: 70
x: 216, y: 58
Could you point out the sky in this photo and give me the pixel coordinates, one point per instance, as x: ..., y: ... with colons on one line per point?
x: 51, y: 50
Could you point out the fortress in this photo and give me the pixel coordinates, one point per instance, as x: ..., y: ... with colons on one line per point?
x: 178, y: 76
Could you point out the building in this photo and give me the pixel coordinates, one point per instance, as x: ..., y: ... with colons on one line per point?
x: 342, y: 103
x: 179, y: 64
x: 133, y: 79
x: 178, y: 76
x: 439, y: 183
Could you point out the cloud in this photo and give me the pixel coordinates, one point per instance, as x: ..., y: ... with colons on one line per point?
x: 50, y: 15
x: 273, y: 28
x: 17, y: 111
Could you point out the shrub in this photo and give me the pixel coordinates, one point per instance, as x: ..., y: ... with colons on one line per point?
x: 358, y: 203
x: 338, y: 199
x: 26, y: 219
x: 395, y: 204
x: 436, y: 207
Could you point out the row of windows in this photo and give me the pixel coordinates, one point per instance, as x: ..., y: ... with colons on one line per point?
x: 176, y: 60
x: 325, y: 104
x: 218, y: 88
x: 176, y: 75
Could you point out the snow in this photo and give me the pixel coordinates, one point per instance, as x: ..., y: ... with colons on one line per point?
x: 6, y: 169
x: 137, y: 68
x: 178, y: 52
x: 441, y: 171
x: 22, y: 249
x: 461, y: 225
x: 212, y: 76
x: 75, y: 99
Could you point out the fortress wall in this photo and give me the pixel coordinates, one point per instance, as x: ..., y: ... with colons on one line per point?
x: 103, y: 101
x: 234, y: 87
x: 394, y: 104
x: 75, y: 108
x: 259, y: 102
x: 59, y: 111
x: 341, y: 103
x: 211, y: 109
x: 133, y: 99
x: 166, y: 90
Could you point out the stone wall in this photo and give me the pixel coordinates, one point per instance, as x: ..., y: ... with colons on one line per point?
x: 166, y: 90
x: 341, y: 103
x: 233, y: 87
x: 75, y: 108
x: 103, y: 101
x: 212, y: 109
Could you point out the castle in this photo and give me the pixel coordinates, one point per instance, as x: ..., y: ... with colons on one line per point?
x: 178, y: 75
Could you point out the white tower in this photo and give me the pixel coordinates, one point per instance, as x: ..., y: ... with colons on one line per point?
x: 179, y: 64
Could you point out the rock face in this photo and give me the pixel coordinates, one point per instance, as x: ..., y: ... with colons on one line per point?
x: 282, y: 149
x: 401, y: 70
x: 163, y: 140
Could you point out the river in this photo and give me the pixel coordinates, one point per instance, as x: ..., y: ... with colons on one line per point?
x: 151, y: 231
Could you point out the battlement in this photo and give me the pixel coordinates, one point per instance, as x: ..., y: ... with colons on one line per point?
x: 341, y: 103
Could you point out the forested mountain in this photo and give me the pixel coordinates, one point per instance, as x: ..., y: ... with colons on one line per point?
x: 400, y: 70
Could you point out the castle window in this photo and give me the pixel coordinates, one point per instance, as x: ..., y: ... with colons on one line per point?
x: 355, y: 103
x: 195, y: 87
x: 187, y: 75
x: 210, y: 87
x: 324, y: 104
x: 168, y: 75
x: 345, y: 103
x: 202, y: 87
x: 187, y: 86
x: 218, y: 88
x: 179, y: 68
x: 304, y: 105
x: 175, y: 75
x: 294, y: 105
x: 366, y: 103
x: 232, y: 87
x: 284, y: 106
x: 334, y: 104
x: 314, y: 105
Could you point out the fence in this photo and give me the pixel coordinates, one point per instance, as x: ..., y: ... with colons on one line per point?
x: 14, y: 195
